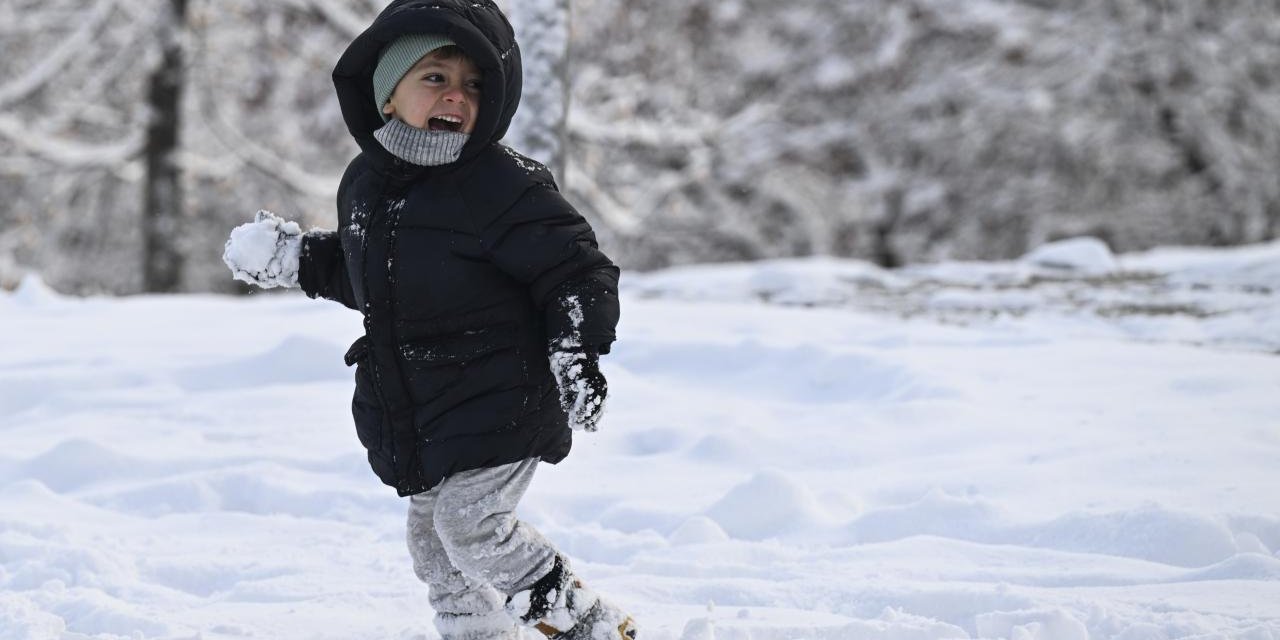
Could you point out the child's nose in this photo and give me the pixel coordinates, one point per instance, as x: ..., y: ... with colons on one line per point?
x: 455, y: 94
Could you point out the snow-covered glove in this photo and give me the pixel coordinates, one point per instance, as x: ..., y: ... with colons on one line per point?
x: 265, y: 252
x: 582, y: 386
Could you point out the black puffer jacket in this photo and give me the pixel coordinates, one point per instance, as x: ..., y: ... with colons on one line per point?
x: 464, y: 273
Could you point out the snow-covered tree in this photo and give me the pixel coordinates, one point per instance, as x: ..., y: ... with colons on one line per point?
x: 538, y: 130
x: 894, y: 130
x: 162, y: 204
x: 131, y: 139
x: 72, y: 136
x: 913, y: 130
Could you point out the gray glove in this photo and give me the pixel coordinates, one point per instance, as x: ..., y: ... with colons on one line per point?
x: 265, y: 252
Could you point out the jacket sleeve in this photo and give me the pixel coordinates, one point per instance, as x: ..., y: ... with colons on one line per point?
x: 322, y: 268
x: 543, y: 242
x: 322, y: 265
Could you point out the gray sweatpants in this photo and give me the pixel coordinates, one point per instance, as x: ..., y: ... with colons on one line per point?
x: 472, y: 552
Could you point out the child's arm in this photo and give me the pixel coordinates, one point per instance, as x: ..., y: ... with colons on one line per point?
x: 273, y: 252
x: 543, y: 242
x: 322, y: 268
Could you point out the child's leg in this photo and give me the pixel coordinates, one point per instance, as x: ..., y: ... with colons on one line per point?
x: 475, y: 519
x: 465, y: 608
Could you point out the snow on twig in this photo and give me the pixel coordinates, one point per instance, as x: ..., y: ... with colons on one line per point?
x: 649, y: 133
x: 246, y: 150
x: 346, y: 21
x: 43, y: 71
x: 614, y: 214
x: 265, y: 160
x: 67, y: 153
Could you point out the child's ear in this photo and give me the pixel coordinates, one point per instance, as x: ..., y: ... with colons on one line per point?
x: 388, y: 109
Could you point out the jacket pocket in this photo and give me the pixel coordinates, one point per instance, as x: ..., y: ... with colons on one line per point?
x: 358, y: 351
x: 372, y: 426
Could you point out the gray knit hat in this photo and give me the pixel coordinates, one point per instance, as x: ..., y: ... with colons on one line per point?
x: 398, y: 58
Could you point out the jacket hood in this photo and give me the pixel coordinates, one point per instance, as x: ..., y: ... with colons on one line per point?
x: 476, y: 26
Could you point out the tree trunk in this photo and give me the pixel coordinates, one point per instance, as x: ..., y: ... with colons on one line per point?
x: 162, y: 212
x: 542, y: 29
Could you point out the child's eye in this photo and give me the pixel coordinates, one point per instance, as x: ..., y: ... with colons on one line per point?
x: 433, y: 77
x: 475, y: 85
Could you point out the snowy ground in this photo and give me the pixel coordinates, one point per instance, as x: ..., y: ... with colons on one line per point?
x: 1071, y: 446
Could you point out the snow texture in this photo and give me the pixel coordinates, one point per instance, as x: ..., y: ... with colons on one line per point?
x: 542, y: 29
x: 265, y: 252
x: 822, y: 449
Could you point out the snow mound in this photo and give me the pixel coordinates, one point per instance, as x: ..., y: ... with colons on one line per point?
x: 1256, y: 266
x: 1265, y: 531
x: 649, y: 442
x: 77, y: 462
x: 720, y: 449
x: 780, y: 624
x: 770, y: 504
x: 1080, y: 255
x: 20, y: 619
x: 937, y: 514
x: 698, y: 530
x: 109, y: 616
x: 812, y: 281
x: 799, y: 374
x: 1148, y: 533
x: 296, y: 359
x: 1243, y: 566
x: 1054, y: 624
x: 33, y: 292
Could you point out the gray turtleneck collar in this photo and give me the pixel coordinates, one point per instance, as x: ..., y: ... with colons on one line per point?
x: 420, y: 146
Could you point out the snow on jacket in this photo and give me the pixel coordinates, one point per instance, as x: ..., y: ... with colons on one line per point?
x: 465, y: 273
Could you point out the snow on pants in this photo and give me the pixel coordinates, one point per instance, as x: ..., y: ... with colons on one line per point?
x: 472, y: 552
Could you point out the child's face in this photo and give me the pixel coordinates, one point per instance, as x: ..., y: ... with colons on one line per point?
x: 439, y: 94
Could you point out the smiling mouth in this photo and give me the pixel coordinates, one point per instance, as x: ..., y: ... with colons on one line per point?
x: 444, y: 123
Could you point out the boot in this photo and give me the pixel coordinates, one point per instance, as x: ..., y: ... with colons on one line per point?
x: 560, y: 607
x: 604, y: 621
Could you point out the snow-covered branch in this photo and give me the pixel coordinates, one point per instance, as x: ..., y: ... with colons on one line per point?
x: 242, y: 147
x: 265, y: 160
x: 68, y: 153
x: 336, y: 14
x: 648, y: 133
x: 72, y: 45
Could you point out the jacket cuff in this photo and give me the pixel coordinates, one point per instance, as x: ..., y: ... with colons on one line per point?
x: 317, y: 247
x: 584, y: 312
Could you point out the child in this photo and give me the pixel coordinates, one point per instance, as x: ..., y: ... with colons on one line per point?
x: 486, y: 304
